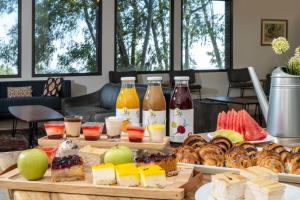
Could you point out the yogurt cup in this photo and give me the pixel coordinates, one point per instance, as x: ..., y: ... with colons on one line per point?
x: 114, y: 126
x: 73, y: 125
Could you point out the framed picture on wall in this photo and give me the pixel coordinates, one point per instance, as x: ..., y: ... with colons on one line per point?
x: 273, y: 28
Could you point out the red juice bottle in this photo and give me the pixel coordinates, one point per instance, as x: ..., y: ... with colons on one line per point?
x: 181, y: 111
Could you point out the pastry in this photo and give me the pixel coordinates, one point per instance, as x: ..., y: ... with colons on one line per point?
x: 296, y: 149
x: 250, y: 148
x: 292, y: 164
x: 127, y: 175
x: 194, y: 138
x: 278, y: 149
x: 224, y: 143
x: 166, y: 161
x: 104, y: 174
x: 228, y: 186
x: 91, y: 155
x: 152, y: 176
x: 238, y: 158
x: 187, y: 154
x: 211, y: 155
x: 264, y: 189
x: 270, y: 160
x: 67, y: 165
x: 256, y: 172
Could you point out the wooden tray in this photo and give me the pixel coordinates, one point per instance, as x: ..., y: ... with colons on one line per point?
x: 104, y: 143
x: 14, y: 181
x: 283, y: 177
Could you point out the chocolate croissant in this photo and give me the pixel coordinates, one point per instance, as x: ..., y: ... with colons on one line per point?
x: 211, y: 155
x: 278, y: 149
x: 249, y: 147
x: 270, y: 160
x: 194, y: 140
x: 224, y: 143
x: 187, y: 154
x: 238, y: 158
x: 292, y: 164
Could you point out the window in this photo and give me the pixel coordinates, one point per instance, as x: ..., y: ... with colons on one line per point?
x: 143, y: 35
x: 206, y: 34
x: 9, y: 38
x: 66, y: 37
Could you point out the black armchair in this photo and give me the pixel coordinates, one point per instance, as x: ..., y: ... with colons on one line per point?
x: 194, y: 87
x: 239, y: 79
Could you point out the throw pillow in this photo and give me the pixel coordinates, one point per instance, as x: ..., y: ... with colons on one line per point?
x: 13, y: 92
x: 53, y: 86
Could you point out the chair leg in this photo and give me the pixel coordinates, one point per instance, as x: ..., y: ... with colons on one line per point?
x: 228, y: 91
x: 200, y: 94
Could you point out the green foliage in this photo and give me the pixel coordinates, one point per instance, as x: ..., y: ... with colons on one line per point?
x: 65, y: 36
x: 143, y: 39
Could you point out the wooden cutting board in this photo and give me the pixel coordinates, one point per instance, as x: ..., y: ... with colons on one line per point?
x: 14, y: 181
x: 105, y: 143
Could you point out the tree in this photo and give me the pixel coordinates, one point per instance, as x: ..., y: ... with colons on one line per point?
x: 201, y: 24
x: 65, y: 36
x: 9, y: 44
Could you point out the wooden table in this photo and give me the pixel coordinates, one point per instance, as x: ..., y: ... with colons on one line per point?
x: 32, y: 114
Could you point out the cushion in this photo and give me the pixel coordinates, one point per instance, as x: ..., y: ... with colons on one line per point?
x: 52, y: 86
x: 13, y: 92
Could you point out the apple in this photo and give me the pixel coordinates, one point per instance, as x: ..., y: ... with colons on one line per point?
x: 118, y: 155
x: 33, y: 164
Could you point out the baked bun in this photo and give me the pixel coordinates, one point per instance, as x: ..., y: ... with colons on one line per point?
x: 292, y: 164
x: 238, y: 158
x: 211, y: 155
x: 296, y: 149
x: 278, y: 149
x: 270, y: 160
x: 224, y: 143
x: 187, y: 154
x: 194, y: 140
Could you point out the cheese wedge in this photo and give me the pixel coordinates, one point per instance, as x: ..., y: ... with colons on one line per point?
x: 104, y: 174
x: 152, y: 176
x: 127, y: 175
x: 257, y: 172
x: 263, y: 189
x: 228, y: 186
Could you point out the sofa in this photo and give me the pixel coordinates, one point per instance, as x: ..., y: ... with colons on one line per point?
x: 37, y: 98
x: 102, y: 103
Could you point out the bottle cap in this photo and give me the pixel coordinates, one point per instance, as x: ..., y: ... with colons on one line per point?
x: 181, y: 78
x: 128, y: 78
x: 154, y: 78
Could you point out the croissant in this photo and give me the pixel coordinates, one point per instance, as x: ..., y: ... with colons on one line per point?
x: 292, y: 164
x: 194, y: 138
x: 224, y: 143
x: 296, y: 149
x: 211, y: 155
x: 270, y: 160
x: 238, y: 158
x: 187, y: 154
x: 278, y: 149
x: 248, y: 147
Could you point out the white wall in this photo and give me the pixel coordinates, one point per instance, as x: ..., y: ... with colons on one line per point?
x: 246, y: 43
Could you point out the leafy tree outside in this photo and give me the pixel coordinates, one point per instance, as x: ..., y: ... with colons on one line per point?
x: 203, y: 33
x: 143, y: 35
x: 65, y: 36
x: 9, y: 40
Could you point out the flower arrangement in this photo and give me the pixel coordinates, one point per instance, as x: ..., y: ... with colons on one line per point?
x: 281, y: 46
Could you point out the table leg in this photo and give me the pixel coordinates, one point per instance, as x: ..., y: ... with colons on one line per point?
x: 31, y: 134
x: 14, y: 127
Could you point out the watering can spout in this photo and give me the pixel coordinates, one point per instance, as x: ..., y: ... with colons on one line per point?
x: 261, y: 96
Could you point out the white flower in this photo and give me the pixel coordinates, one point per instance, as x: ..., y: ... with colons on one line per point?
x: 297, y: 52
x: 280, y: 45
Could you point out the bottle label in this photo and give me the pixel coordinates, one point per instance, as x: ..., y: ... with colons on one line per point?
x: 133, y: 115
x: 153, y: 117
x: 181, y: 124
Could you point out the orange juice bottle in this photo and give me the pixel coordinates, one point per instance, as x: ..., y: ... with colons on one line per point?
x: 128, y: 103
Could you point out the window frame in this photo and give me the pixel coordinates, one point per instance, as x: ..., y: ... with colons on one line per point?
x: 19, y: 57
x: 228, y: 39
x: 171, y: 34
x: 98, y: 46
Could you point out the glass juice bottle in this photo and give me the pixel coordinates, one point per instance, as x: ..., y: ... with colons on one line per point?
x: 128, y: 104
x: 181, y: 111
x: 154, y: 104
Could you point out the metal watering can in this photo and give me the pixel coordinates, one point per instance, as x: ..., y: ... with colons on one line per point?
x: 282, y: 111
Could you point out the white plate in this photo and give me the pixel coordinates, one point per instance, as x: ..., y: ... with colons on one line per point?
x: 291, y: 193
x: 269, y: 138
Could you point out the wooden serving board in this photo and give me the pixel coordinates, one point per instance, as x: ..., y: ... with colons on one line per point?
x: 14, y: 181
x: 283, y: 177
x: 105, y: 143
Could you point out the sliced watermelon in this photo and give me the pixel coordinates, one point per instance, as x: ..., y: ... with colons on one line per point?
x: 253, y: 130
x: 227, y: 120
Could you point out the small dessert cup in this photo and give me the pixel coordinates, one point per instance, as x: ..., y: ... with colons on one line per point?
x: 114, y: 127
x: 55, y: 129
x: 50, y: 151
x: 92, y: 130
x: 135, y: 132
x: 156, y: 132
x: 73, y: 126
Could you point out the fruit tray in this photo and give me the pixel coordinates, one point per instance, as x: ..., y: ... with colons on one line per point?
x: 105, y: 143
x: 283, y: 177
x: 14, y: 181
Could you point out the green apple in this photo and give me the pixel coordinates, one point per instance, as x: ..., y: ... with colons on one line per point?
x: 33, y: 164
x: 118, y: 155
